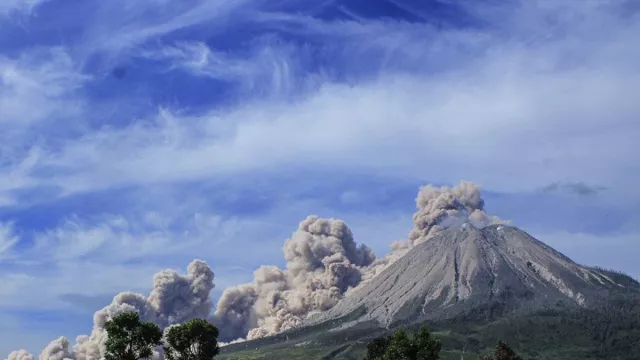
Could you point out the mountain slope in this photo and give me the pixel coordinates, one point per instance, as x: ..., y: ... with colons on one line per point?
x: 465, y: 268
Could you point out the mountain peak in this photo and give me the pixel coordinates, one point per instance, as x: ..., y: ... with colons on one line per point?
x: 463, y: 268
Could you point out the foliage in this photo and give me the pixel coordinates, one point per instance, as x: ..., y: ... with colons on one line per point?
x: 131, y: 339
x: 399, y: 346
x: 502, y: 352
x: 377, y: 347
x: 196, y: 339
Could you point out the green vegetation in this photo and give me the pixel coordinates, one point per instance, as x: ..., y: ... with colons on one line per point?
x: 196, y: 339
x: 503, y: 352
x: 131, y: 339
x: 399, y: 346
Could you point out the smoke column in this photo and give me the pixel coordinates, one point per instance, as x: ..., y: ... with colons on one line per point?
x: 323, y: 264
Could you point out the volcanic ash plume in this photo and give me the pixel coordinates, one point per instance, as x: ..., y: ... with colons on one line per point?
x: 57, y: 350
x: 438, y: 208
x: 174, y: 299
x: 323, y: 262
x: 324, y: 265
x: 441, y: 208
x: 20, y: 355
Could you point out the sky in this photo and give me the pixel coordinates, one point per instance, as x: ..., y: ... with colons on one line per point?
x: 137, y: 135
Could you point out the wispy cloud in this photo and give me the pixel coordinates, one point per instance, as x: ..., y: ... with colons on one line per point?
x: 18, y: 7
x: 461, y: 120
x: 7, y: 238
x: 578, y: 188
x: 156, y: 98
x: 134, y: 23
x: 38, y: 85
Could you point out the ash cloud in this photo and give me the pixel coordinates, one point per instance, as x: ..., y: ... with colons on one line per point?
x: 323, y: 262
x: 57, y: 350
x: 174, y: 299
x: 323, y: 265
x: 439, y: 208
x: 20, y: 355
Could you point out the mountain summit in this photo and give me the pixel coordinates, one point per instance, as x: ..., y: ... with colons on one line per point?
x: 461, y: 270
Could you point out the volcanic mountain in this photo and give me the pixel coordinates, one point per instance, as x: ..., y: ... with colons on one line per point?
x: 463, y: 269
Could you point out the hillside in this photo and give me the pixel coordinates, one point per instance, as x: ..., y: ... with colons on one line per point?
x: 465, y: 268
x: 474, y: 286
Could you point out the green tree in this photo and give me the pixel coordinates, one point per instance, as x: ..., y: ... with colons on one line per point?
x: 399, y: 346
x: 502, y: 352
x: 196, y: 339
x: 131, y: 339
x: 426, y: 347
x: 377, y: 347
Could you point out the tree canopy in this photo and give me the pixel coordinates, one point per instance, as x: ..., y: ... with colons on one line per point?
x: 131, y: 339
x: 400, y: 346
x: 196, y: 339
x: 502, y: 352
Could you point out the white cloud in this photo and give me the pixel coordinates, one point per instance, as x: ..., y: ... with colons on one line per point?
x: 36, y: 86
x: 545, y: 100
x: 39, y: 92
x: 519, y: 115
x: 10, y: 8
x: 268, y: 72
x: 7, y: 238
x: 130, y: 24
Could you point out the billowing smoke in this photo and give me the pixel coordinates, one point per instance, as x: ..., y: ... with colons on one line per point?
x: 323, y: 265
x: 174, y: 299
x: 323, y: 262
x: 441, y: 208
x: 20, y: 355
x: 437, y: 209
x: 57, y: 350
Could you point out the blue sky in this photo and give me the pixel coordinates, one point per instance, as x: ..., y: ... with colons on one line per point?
x: 137, y: 135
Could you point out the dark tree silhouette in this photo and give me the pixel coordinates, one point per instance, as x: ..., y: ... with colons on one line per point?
x: 196, y: 339
x: 399, y: 346
x: 131, y: 339
x: 377, y: 347
x: 502, y: 352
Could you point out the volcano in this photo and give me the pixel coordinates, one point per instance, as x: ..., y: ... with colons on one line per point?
x: 463, y: 270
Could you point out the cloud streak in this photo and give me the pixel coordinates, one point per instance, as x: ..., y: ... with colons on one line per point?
x: 510, y: 95
x: 173, y: 101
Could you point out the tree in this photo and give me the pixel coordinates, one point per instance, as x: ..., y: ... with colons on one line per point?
x: 399, y: 346
x: 131, y: 339
x: 502, y: 352
x: 377, y: 347
x: 425, y: 346
x: 196, y: 339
